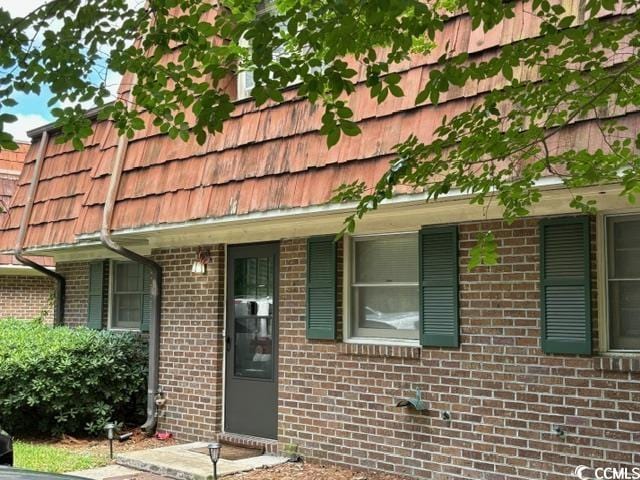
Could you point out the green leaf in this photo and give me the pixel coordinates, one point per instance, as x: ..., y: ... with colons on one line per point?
x: 333, y: 136
x: 484, y: 252
x: 77, y: 144
x: 350, y: 128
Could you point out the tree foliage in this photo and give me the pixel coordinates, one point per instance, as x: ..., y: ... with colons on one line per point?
x: 578, y: 66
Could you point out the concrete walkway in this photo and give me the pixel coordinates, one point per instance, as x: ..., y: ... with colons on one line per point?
x: 183, y: 463
x: 114, y: 472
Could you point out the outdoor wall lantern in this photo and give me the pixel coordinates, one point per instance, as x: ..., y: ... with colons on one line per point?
x: 214, y: 454
x: 203, y: 258
x: 558, y: 430
x: 110, y: 427
x: 416, y: 402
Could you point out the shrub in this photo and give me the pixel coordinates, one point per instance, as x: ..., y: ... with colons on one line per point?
x: 62, y: 380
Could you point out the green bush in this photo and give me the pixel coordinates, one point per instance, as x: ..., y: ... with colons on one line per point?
x: 62, y: 380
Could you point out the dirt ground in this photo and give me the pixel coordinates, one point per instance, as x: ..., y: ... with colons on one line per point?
x: 100, y: 446
x: 310, y: 471
x: 289, y: 471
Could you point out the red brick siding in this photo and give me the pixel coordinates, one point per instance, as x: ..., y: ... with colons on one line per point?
x: 191, y: 345
x: 26, y: 297
x: 76, y: 303
x: 191, y: 342
x: 337, y: 401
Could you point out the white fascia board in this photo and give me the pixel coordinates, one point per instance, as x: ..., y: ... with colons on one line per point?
x: 21, y: 271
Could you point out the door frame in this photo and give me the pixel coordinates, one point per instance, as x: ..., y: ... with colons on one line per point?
x: 249, y: 248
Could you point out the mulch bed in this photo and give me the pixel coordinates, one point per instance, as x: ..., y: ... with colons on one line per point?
x: 311, y: 471
x: 100, y: 446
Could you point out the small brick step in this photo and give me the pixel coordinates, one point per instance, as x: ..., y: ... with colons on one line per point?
x: 267, y: 445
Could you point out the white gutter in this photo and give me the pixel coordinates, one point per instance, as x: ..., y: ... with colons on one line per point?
x: 22, y: 270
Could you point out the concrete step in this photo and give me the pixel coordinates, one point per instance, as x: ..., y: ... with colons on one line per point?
x: 265, y: 444
x: 181, y: 462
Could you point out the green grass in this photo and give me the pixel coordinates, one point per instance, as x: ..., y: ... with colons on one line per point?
x: 48, y: 458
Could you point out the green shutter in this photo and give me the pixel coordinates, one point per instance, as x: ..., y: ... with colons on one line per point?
x: 438, y: 257
x: 96, y: 299
x: 321, y: 288
x: 146, y: 299
x: 565, y: 284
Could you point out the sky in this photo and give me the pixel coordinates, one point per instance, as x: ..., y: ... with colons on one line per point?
x: 32, y: 110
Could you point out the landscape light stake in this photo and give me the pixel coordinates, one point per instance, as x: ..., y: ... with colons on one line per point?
x: 110, y: 427
x: 214, y: 454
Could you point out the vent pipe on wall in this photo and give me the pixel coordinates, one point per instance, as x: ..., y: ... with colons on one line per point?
x: 18, y: 251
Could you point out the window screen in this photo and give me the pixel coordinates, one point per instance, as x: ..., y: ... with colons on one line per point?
x: 384, y: 288
x: 127, y: 295
x: 623, y: 281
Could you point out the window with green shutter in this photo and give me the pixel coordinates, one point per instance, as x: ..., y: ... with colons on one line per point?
x: 382, y: 273
x: 96, y: 295
x: 130, y: 296
x: 438, y: 261
x: 565, y: 285
x: 321, y: 288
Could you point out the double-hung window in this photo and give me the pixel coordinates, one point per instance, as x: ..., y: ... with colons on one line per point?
x: 623, y: 281
x: 127, y: 295
x: 383, y: 287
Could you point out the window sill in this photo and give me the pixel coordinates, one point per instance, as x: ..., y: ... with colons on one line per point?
x: 380, y: 348
x: 618, y: 362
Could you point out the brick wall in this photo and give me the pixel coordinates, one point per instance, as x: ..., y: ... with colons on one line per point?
x: 26, y: 297
x: 191, y: 337
x: 191, y: 345
x: 337, y: 400
x: 77, y: 292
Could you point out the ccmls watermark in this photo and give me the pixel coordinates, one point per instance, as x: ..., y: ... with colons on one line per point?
x: 583, y: 472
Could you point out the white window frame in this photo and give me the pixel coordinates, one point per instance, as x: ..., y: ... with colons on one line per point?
x: 110, y: 293
x: 347, y: 284
x: 602, y: 262
x: 244, y: 92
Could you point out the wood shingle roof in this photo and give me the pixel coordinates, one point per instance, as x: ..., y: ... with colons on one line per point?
x: 268, y: 158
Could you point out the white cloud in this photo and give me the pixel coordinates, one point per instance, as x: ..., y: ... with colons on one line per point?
x: 25, y: 123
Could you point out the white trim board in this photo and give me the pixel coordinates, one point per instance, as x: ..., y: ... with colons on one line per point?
x: 407, y: 212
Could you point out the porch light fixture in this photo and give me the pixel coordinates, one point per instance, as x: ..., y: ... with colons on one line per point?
x: 214, y: 454
x: 203, y: 258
